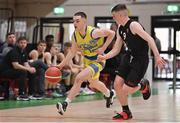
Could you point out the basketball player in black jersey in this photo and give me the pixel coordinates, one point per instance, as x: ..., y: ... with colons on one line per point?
x: 134, y: 62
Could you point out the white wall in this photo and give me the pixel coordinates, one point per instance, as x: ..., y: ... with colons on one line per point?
x: 102, y: 8
x: 144, y: 9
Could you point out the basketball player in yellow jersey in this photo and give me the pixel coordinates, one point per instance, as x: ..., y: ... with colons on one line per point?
x: 90, y: 41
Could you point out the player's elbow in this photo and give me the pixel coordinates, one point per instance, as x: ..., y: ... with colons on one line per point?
x: 111, y: 33
x: 116, y: 50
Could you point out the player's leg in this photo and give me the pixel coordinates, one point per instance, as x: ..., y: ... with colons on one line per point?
x: 82, y: 76
x: 122, y: 96
x: 108, y: 94
x: 131, y: 85
x: 119, y: 85
x: 96, y: 68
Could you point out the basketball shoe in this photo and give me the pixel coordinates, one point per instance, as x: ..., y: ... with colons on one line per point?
x: 124, y: 115
x: 109, y: 100
x: 61, y: 107
x: 146, y: 90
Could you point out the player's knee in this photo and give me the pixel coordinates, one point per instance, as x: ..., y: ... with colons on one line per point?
x: 91, y: 85
x: 126, y: 88
x: 117, y: 85
x: 78, y: 79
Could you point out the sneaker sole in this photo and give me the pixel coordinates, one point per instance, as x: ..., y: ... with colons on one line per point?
x: 22, y: 99
x: 60, y: 108
x: 121, y: 119
x: 115, y: 119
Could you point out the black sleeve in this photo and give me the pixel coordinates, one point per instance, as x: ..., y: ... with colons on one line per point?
x: 25, y: 58
x: 13, y: 56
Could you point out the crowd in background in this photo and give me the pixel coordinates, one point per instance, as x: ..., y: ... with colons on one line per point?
x: 27, y: 68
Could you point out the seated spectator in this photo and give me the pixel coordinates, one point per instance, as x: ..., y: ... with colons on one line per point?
x: 49, y: 42
x: 8, y: 45
x: 15, y: 66
x: 51, y: 59
x: 4, y: 49
x: 74, y: 67
x: 39, y: 52
x: 37, y: 89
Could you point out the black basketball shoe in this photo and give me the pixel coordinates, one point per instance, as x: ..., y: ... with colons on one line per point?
x: 109, y: 100
x: 61, y: 107
x: 146, y: 91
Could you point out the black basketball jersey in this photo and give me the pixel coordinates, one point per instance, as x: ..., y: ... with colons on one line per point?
x: 135, y: 44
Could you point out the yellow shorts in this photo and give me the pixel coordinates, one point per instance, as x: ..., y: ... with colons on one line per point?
x: 95, y: 67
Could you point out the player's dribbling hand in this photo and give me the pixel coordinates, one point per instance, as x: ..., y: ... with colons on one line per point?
x: 60, y: 66
x: 100, y: 58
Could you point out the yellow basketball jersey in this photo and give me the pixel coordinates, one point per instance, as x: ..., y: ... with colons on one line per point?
x: 87, y: 44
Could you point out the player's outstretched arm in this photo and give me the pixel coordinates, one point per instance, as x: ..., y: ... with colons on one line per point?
x: 116, y: 49
x: 136, y: 28
x: 103, y: 33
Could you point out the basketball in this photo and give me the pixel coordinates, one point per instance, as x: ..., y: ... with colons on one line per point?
x: 53, y: 75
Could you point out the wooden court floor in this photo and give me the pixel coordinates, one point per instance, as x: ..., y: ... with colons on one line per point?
x: 164, y: 107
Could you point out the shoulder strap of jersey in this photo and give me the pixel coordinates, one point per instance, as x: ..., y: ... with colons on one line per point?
x: 128, y: 23
x: 74, y: 34
x: 92, y: 32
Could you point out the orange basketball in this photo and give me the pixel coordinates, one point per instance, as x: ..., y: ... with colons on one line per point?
x: 53, y: 75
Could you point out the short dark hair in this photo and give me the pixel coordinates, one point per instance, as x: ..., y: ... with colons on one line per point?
x: 41, y: 41
x: 49, y: 38
x: 21, y: 38
x: 118, y: 7
x: 67, y: 44
x: 82, y: 14
x: 10, y: 33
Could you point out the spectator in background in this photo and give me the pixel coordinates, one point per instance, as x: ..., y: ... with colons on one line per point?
x: 8, y: 45
x: 52, y: 56
x: 51, y: 59
x: 74, y: 66
x: 37, y: 81
x: 39, y: 52
x: 49, y: 42
x: 4, y: 49
x: 15, y: 66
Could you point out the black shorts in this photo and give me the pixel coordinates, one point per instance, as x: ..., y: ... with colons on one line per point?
x: 132, y: 69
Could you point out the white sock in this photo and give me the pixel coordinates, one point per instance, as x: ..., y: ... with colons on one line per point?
x: 68, y: 100
x: 107, y: 94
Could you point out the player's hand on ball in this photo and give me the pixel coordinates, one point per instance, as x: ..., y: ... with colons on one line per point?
x: 60, y: 66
